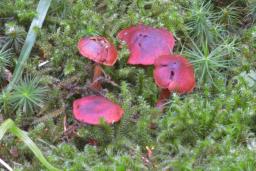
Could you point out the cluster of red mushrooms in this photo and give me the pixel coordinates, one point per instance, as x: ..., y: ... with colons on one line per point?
x: 147, y: 46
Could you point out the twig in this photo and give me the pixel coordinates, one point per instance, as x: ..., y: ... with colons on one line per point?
x: 65, y: 123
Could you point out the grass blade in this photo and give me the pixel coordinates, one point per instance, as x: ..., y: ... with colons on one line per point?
x: 4, y: 127
x: 10, y: 125
x: 37, y: 22
x: 5, y: 165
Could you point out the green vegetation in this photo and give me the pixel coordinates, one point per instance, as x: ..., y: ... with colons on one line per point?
x: 212, y: 128
x: 9, y: 125
x: 5, y: 60
x: 28, y: 95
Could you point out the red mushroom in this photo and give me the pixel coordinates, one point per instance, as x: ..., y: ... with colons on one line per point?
x: 99, y: 50
x: 175, y: 73
x: 91, y: 109
x: 146, y: 43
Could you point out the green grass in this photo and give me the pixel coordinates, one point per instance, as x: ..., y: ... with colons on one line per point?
x: 9, y: 125
x: 212, y: 128
x: 14, y: 36
x: 229, y: 16
x: 28, y: 95
x: 5, y: 59
x: 29, y: 42
x: 211, y: 64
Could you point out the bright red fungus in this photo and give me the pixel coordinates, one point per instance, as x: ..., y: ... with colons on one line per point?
x: 98, y: 49
x: 146, y: 43
x: 175, y: 73
x: 90, y: 109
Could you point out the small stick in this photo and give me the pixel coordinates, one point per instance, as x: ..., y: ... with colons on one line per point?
x: 65, y: 123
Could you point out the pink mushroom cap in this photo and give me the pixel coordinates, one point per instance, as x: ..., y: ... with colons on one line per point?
x: 175, y: 73
x: 91, y: 109
x: 146, y: 43
x: 98, y: 49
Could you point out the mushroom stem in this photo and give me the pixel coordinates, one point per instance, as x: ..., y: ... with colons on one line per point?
x: 164, y: 95
x: 96, y: 75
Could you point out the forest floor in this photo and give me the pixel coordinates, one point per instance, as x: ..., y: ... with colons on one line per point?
x: 211, y: 128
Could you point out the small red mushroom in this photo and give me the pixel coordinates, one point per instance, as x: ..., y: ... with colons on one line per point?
x: 146, y: 43
x: 91, y: 109
x: 173, y: 73
x: 99, y: 50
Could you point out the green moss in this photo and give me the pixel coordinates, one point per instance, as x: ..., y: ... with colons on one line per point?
x: 212, y: 128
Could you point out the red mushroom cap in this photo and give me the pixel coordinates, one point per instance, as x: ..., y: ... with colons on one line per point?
x: 175, y: 73
x: 98, y: 49
x: 146, y: 43
x: 90, y: 109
